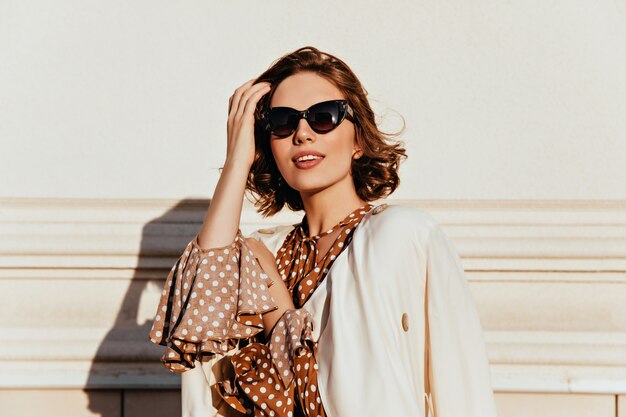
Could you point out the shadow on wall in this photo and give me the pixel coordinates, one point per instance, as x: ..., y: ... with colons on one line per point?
x: 127, y: 364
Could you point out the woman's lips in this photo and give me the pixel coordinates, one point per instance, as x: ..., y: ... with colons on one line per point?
x: 308, y: 164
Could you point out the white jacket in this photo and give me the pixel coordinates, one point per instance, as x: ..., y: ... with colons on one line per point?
x: 394, y: 319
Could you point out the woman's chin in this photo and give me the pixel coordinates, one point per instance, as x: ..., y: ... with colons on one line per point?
x: 315, y: 183
x: 309, y: 187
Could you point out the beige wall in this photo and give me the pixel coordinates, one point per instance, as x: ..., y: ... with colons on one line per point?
x: 513, y: 100
x: 112, y: 127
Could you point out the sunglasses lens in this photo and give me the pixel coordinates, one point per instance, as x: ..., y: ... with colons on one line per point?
x: 323, y: 117
x: 282, y: 121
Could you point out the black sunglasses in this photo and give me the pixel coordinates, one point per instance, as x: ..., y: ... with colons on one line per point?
x: 322, y: 117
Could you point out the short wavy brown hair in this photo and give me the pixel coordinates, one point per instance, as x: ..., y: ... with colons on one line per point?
x: 375, y: 173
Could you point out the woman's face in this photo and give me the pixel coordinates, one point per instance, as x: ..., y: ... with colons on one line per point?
x: 300, y: 91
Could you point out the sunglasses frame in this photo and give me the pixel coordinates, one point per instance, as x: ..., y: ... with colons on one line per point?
x: 345, y: 112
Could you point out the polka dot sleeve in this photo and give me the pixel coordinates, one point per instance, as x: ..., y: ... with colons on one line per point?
x: 211, y: 299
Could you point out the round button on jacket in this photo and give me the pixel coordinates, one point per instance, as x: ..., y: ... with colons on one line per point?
x: 405, y: 322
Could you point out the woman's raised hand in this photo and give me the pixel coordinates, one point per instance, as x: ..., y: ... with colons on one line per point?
x: 240, y: 129
x: 223, y: 216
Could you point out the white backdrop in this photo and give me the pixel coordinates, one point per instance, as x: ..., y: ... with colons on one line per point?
x: 502, y: 100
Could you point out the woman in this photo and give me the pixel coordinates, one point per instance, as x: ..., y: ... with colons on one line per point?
x: 355, y: 311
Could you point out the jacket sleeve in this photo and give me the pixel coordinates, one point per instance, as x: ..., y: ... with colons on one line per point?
x: 458, y: 375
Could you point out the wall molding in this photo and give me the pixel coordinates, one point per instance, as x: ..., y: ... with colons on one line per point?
x: 80, y: 279
x: 489, y: 235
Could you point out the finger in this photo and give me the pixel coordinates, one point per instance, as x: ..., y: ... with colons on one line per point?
x: 252, y: 91
x: 234, y: 103
x: 251, y: 103
x: 246, y: 95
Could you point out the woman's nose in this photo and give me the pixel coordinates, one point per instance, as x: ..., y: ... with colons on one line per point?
x: 303, y: 132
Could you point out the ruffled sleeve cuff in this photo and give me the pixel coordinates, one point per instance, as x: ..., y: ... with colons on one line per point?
x: 211, y: 299
x: 258, y: 368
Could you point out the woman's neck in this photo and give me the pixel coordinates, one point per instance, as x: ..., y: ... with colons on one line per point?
x: 328, y: 207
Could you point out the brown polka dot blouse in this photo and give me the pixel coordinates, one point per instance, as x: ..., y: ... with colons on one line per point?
x: 213, y: 301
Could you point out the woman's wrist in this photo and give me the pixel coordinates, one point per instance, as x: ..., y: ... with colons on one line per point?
x: 234, y: 164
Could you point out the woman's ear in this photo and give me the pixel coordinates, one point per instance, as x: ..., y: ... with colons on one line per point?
x: 357, y: 153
